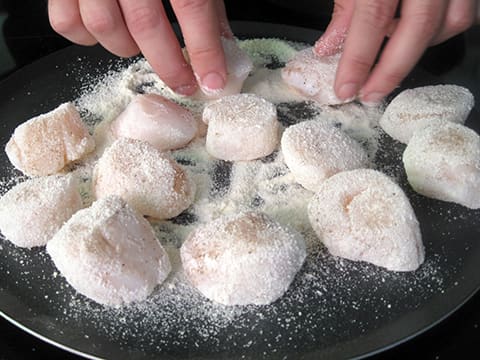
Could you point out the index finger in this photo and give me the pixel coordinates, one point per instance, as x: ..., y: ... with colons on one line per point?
x: 368, y: 28
x: 151, y: 29
x: 201, y: 31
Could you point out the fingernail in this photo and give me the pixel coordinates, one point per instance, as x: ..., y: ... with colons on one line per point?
x: 372, y: 99
x: 186, y: 90
x: 347, y: 91
x: 212, y: 82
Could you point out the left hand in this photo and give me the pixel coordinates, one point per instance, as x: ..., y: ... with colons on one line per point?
x: 360, y: 26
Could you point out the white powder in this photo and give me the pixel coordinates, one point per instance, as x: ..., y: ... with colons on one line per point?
x: 320, y: 307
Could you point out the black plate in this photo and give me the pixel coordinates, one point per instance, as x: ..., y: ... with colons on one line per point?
x: 357, y: 310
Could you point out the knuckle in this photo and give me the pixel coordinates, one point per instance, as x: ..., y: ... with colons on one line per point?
x: 457, y: 23
x: 377, y: 13
x: 63, y: 25
x: 426, y: 24
x: 142, y: 19
x: 190, y: 6
x: 204, y: 53
x: 359, y: 65
x: 99, y: 24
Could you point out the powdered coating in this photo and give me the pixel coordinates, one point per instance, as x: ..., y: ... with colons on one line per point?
x: 241, y: 127
x: 362, y: 215
x: 413, y: 109
x: 147, y: 179
x: 442, y: 161
x: 109, y: 253
x: 313, y: 76
x: 315, y: 150
x: 34, y: 210
x: 44, y: 144
x: 242, y: 259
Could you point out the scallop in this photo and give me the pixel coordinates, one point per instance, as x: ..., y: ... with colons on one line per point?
x: 413, y: 109
x: 241, y: 127
x: 34, y: 210
x: 149, y: 180
x: 156, y: 120
x: 109, y: 253
x: 442, y: 161
x: 241, y: 259
x: 239, y: 65
x: 315, y: 150
x: 313, y: 76
x: 45, y: 144
x: 362, y: 215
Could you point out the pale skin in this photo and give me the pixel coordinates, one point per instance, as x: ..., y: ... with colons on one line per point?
x: 358, y: 27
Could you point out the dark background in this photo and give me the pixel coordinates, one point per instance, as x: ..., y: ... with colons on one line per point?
x: 27, y: 36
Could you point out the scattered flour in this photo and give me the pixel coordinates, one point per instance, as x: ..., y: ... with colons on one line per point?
x: 330, y: 301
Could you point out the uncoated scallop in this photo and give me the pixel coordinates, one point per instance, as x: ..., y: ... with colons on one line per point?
x: 156, y: 120
x: 149, y: 180
x: 241, y: 127
x: 45, y: 144
x: 442, y: 161
x: 241, y: 259
x: 109, y: 253
x: 34, y: 210
x: 315, y: 150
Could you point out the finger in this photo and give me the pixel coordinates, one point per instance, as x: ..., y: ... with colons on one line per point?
x: 199, y: 22
x: 331, y: 42
x: 148, y: 24
x: 459, y: 17
x: 104, y: 20
x: 369, y: 26
x: 223, y: 22
x: 419, y: 22
x: 65, y: 19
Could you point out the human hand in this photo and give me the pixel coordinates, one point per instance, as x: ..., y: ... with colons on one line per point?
x: 360, y: 26
x: 126, y: 27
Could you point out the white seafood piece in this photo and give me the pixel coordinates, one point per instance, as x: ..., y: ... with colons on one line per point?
x: 313, y: 76
x: 34, y: 210
x: 241, y: 127
x: 45, y: 144
x: 442, y: 161
x: 156, y: 120
x: 413, y: 109
x: 242, y: 259
x: 315, y: 150
x: 362, y: 215
x: 239, y: 65
x: 109, y: 253
x: 146, y: 178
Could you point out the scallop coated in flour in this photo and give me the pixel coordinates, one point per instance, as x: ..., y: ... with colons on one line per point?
x: 413, y: 109
x: 34, y: 210
x: 313, y: 76
x: 241, y: 127
x: 362, y: 215
x: 149, y: 180
x: 45, y: 144
x: 315, y: 150
x: 109, y: 253
x: 156, y: 120
x: 442, y: 161
x: 242, y: 259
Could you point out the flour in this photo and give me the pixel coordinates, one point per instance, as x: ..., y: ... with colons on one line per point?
x: 330, y: 301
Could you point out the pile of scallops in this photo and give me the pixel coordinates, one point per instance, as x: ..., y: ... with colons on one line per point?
x: 108, y: 251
